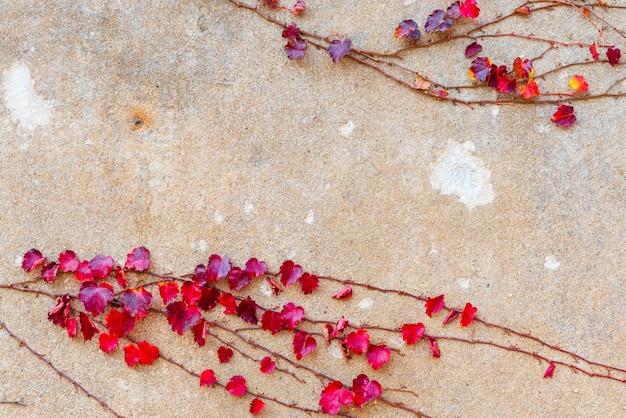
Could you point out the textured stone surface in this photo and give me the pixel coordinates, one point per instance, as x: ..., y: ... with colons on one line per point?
x: 180, y: 125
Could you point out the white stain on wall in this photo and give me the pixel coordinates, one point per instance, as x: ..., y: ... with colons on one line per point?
x: 27, y: 108
x: 457, y: 171
x: 347, y: 129
x: 551, y: 263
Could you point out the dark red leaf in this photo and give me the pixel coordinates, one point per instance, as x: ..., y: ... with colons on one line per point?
x: 473, y: 49
x: 49, y: 272
x: 594, y: 51
x: 148, y: 353
x: 549, y: 371
x: 480, y: 69
x: 257, y: 405
x: 224, y: 354
x: 309, y: 283
x: 60, y: 313
x: 228, y: 301
x: 209, y: 299
x: 437, y: 22
x: 236, y: 386
x: 613, y: 55
x: 207, y: 378
x: 327, y: 330
x: 434, y: 305
x: 137, y: 302
x: 87, y: 327
x: 200, y: 275
x: 256, y: 268
x: 32, y: 259
x: 182, y: 317
x: 272, y: 321
x: 199, y: 333
x: 506, y: 84
x: 95, y: 297
x: 217, y: 268
x: 434, y: 348
x: 168, y: 291
x: 292, y: 315
x: 68, y: 261
x: 339, y: 49
x: 468, y: 8
x: 238, y: 279
x: 138, y: 260
x: 71, y: 325
x: 267, y: 365
x: 564, y: 116
x: 365, y: 390
x: 191, y: 292
x: 358, y: 341
x: 101, y: 266
x: 468, y: 315
x: 119, y: 323
x: 108, y: 343
x: 341, y: 325
x: 411, y: 333
x: 407, y: 29
x: 303, y: 345
x: 378, y: 355
x: 345, y: 293
x: 83, y: 273
x: 247, y: 310
x: 290, y: 273
x: 333, y: 397
x: 120, y: 277
x: 451, y: 316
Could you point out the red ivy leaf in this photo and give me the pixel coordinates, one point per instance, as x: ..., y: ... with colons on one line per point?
x: 119, y: 323
x: 341, y: 325
x: 238, y: 279
x: 272, y: 4
x: 524, y: 10
x: 523, y: 68
x: 468, y: 315
x: 256, y: 268
x: 237, y: 386
x: 292, y: 315
x: 378, y: 355
x: 473, y: 49
x: 199, y: 333
x: 247, y: 310
x: 257, y: 405
x: 138, y: 260
x: 333, y: 397
x: 529, y: 90
x: 480, y: 69
x: 267, y: 365
x: 228, y: 301
x: 148, y: 353
x: 136, y: 302
x: 191, y: 292
x: 217, y: 268
x: 327, y: 331
x: 182, y: 317
x: 292, y: 31
x: 95, y: 297
x: 298, y: 7
x: 613, y: 55
x: 358, y: 341
x: 224, y: 354
x: 168, y: 291
x: 434, y: 305
x: 272, y: 321
x: 437, y: 22
x: 549, y: 371
x: 101, y: 266
x: 290, y: 273
x: 506, y: 83
x: 71, y: 327
x: 49, y: 272
x: 32, y: 259
x: 207, y: 378
x: 131, y: 355
x: 200, y: 275
x: 209, y: 299
x: 68, y: 261
x: 564, y: 116
x: 83, y: 273
x: 309, y: 283
x: 108, y: 343
x: 434, y: 348
x: 120, y: 277
x: 345, y: 293
x: 365, y: 390
x: 468, y: 8
x: 303, y: 345
x: 87, y: 327
x: 594, y: 51
x: 60, y: 313
x: 411, y: 333
x: 339, y: 49
x: 407, y: 29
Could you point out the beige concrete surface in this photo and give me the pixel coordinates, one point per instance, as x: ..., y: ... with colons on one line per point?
x: 181, y: 126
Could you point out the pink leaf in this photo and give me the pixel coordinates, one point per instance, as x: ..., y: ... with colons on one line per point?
x: 101, y: 266
x: 434, y: 348
x: 303, y: 345
x: 358, y: 341
x: 292, y: 315
x: 95, y: 297
x: 138, y: 260
x: 378, y: 355
x: 217, y: 268
x: 345, y: 293
x: 267, y: 365
x: 31, y: 260
x: 434, y: 305
x: 292, y: 31
x: 207, y: 378
x: 549, y: 371
x: 341, y: 325
x: 49, y: 272
x: 411, y: 333
x: 256, y: 268
x: 68, y: 261
x: 210, y: 298
x: 365, y: 390
x: 83, y: 272
x: 237, y: 386
x: 298, y: 7
x: 333, y: 397
x: 468, y: 8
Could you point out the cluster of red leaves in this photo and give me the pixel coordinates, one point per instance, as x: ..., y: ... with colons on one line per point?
x: 142, y: 353
x: 296, y: 46
x: 438, y: 20
x: 519, y: 79
x: 334, y: 395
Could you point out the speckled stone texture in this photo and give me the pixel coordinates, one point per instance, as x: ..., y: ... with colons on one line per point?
x: 181, y: 126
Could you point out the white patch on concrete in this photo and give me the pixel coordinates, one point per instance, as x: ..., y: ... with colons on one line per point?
x: 457, y: 171
x: 265, y: 288
x: 27, y: 108
x: 310, y: 217
x: 366, y: 303
x: 121, y: 384
x: 248, y: 207
x: 218, y: 217
x: 202, y: 246
x: 347, y: 129
x: 334, y: 349
x: 24, y: 146
x: 464, y: 283
x: 408, y: 2
x: 551, y: 263
x: 18, y: 260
